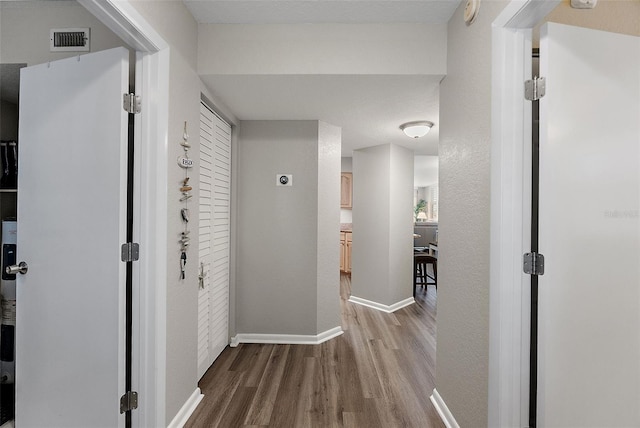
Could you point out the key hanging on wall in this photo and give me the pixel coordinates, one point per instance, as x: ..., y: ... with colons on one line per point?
x: 185, y: 194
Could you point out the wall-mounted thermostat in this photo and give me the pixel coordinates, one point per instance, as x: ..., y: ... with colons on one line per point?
x: 284, y: 179
x: 583, y: 4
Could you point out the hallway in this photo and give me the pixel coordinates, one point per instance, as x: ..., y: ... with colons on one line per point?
x: 379, y: 373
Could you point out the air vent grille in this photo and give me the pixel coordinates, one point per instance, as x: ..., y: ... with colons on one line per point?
x: 69, y: 40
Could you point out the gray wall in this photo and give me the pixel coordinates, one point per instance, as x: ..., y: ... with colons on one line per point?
x: 25, y: 30
x: 382, y: 251
x: 463, y: 241
x: 401, y: 224
x: 287, y: 257
x: 176, y: 25
x: 328, y: 292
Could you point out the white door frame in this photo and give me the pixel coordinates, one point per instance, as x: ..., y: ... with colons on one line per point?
x: 511, y: 211
x: 150, y: 205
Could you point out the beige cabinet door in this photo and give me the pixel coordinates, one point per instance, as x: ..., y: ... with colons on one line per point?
x: 346, y: 183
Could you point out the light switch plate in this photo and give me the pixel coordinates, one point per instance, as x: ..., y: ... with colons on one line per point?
x: 583, y: 4
x: 284, y: 179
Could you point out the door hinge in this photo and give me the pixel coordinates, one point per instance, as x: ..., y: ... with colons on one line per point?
x: 534, y: 89
x: 129, y: 401
x: 533, y: 264
x: 130, y: 252
x: 132, y: 103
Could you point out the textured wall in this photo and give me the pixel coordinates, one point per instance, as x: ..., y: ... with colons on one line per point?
x: 463, y: 271
x: 328, y: 271
x: 382, y: 251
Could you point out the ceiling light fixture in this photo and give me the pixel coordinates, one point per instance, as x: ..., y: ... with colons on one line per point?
x: 416, y: 129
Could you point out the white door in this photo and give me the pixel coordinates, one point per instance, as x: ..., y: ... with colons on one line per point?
x: 589, y: 302
x: 214, y: 237
x: 72, y: 213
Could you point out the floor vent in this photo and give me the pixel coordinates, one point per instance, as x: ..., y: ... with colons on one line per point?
x: 69, y: 40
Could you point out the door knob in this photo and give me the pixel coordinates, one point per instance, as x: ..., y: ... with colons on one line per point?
x: 19, y: 268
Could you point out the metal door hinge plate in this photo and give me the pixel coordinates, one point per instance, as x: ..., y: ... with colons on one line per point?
x: 132, y: 103
x: 533, y: 264
x: 129, y: 401
x: 535, y: 89
x: 130, y: 252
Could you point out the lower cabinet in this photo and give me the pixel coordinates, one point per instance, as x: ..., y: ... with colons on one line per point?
x: 345, y: 251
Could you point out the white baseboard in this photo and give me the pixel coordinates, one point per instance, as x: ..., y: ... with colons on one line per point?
x: 379, y: 306
x: 286, y: 339
x: 443, y: 410
x: 187, y: 410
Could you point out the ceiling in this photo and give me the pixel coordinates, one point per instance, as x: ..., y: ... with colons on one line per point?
x: 368, y: 108
x: 321, y: 11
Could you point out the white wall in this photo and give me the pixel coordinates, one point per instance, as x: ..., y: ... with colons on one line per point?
x: 322, y: 49
x: 382, y: 251
x: 463, y: 241
x: 425, y: 171
x: 287, y: 256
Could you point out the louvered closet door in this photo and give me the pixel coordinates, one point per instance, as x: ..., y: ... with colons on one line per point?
x: 214, y: 236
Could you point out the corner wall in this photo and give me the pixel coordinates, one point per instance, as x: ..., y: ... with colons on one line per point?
x: 175, y: 24
x: 463, y: 241
x: 328, y: 285
x: 382, y: 249
x: 287, y: 258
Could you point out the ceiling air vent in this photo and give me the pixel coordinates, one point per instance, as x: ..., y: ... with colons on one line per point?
x: 69, y: 40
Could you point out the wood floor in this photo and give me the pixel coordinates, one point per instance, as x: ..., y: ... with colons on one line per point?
x: 379, y: 373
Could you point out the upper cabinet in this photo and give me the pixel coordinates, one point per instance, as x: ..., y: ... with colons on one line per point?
x: 346, y: 194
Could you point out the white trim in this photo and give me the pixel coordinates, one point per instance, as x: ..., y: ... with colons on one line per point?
x: 381, y: 307
x: 186, y: 410
x: 510, y: 212
x: 126, y: 22
x: 153, y: 236
x: 442, y: 409
x: 150, y: 216
x: 286, y: 339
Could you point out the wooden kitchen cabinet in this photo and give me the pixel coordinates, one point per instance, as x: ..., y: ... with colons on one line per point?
x: 345, y: 251
x: 346, y: 190
x: 343, y: 248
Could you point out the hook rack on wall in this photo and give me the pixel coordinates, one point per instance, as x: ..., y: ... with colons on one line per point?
x: 185, y: 192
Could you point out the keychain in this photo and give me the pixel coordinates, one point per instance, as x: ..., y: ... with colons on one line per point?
x: 185, y: 191
x: 183, y: 264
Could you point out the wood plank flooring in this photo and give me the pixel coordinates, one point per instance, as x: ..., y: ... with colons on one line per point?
x: 379, y: 373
